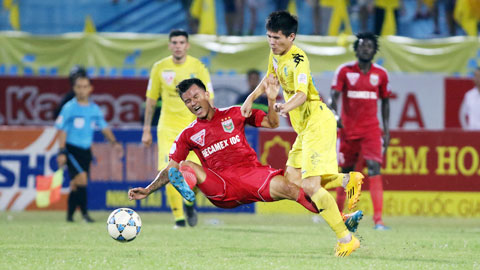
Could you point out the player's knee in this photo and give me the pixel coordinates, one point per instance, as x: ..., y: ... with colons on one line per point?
x: 310, y: 186
x: 373, y: 167
x: 186, y: 163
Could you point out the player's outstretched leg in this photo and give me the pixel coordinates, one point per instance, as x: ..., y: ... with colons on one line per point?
x: 345, y: 249
x: 178, y: 182
x: 353, y: 189
x: 352, y: 220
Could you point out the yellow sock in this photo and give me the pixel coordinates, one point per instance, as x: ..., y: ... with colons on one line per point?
x: 324, y: 201
x: 332, y: 180
x: 176, y: 202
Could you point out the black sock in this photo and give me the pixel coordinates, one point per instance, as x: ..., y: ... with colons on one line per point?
x: 82, y: 199
x: 72, y: 204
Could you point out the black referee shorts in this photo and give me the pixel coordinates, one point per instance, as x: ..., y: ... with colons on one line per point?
x: 78, y: 160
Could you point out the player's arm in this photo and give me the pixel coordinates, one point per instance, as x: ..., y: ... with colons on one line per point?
x: 386, y: 121
x: 334, y: 95
x: 248, y: 103
x: 295, y: 101
x: 107, y: 132
x: 150, y: 105
x: 272, y: 88
x: 204, y: 76
x: 160, y: 180
x: 62, y: 153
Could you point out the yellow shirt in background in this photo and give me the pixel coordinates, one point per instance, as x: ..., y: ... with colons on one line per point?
x: 293, y: 71
x: 164, y: 77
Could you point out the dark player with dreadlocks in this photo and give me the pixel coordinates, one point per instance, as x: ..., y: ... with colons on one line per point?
x: 362, y: 83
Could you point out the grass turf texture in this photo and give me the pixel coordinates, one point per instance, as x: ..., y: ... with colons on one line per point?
x: 43, y: 240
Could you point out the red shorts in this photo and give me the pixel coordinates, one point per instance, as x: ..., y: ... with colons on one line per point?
x: 238, y: 185
x: 369, y: 146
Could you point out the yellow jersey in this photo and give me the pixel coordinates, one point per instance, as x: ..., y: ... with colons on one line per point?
x: 164, y: 77
x: 293, y: 71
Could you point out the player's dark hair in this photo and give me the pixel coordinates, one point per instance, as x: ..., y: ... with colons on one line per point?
x: 76, y: 71
x: 80, y: 76
x: 177, y: 33
x: 282, y: 21
x: 367, y: 35
x: 253, y: 71
x: 184, y: 85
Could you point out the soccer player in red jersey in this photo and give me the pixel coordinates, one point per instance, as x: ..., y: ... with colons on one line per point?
x: 362, y: 83
x: 230, y: 174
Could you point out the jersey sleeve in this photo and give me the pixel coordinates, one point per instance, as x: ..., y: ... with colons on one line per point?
x: 270, y: 69
x: 301, y: 74
x: 256, y: 118
x: 384, y: 88
x: 180, y: 148
x: 61, y: 121
x: 204, y: 76
x: 154, y: 83
x: 338, y: 80
x: 99, y: 119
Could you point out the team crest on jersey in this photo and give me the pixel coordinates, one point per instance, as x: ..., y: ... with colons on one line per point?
x: 199, y: 137
x: 168, y: 76
x: 227, y: 125
x: 374, y: 79
x: 352, y: 77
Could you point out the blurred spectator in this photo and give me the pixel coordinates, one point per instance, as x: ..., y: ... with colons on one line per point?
x: 253, y: 79
x: 280, y: 4
x: 76, y: 71
x: 230, y: 15
x: 253, y: 6
x: 192, y: 22
x: 386, y: 16
x: 449, y: 9
x: 470, y: 108
x: 364, y: 9
x: 116, y: 1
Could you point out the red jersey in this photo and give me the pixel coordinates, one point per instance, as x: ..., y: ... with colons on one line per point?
x: 219, y: 143
x: 360, y: 93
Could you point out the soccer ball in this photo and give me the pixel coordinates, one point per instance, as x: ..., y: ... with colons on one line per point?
x: 124, y: 224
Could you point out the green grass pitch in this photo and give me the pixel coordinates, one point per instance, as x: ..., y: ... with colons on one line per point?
x: 43, y: 240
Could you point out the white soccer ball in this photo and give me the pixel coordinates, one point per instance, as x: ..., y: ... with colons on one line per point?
x: 124, y: 224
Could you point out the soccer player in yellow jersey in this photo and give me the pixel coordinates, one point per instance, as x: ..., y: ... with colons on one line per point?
x: 312, y: 161
x: 174, y: 116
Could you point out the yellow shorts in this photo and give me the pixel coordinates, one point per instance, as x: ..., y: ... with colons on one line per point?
x: 165, y: 139
x: 314, y: 150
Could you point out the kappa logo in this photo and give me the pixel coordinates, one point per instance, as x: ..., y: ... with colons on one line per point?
x: 199, y: 137
x: 374, y: 79
x: 353, y: 77
x: 227, y: 125
x: 275, y: 64
x: 168, y: 76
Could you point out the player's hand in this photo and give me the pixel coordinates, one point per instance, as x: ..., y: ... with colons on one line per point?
x: 339, y: 121
x: 246, y: 108
x: 386, y: 141
x: 279, y: 108
x: 118, y: 148
x: 137, y: 193
x: 147, y: 138
x: 61, y: 160
x: 272, y: 87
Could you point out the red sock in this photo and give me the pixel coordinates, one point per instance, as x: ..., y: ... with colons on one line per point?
x: 341, y: 198
x: 376, y: 192
x: 304, y: 200
x: 189, y: 176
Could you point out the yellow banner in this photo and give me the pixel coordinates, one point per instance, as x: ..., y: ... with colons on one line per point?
x: 400, y: 203
x: 132, y: 55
